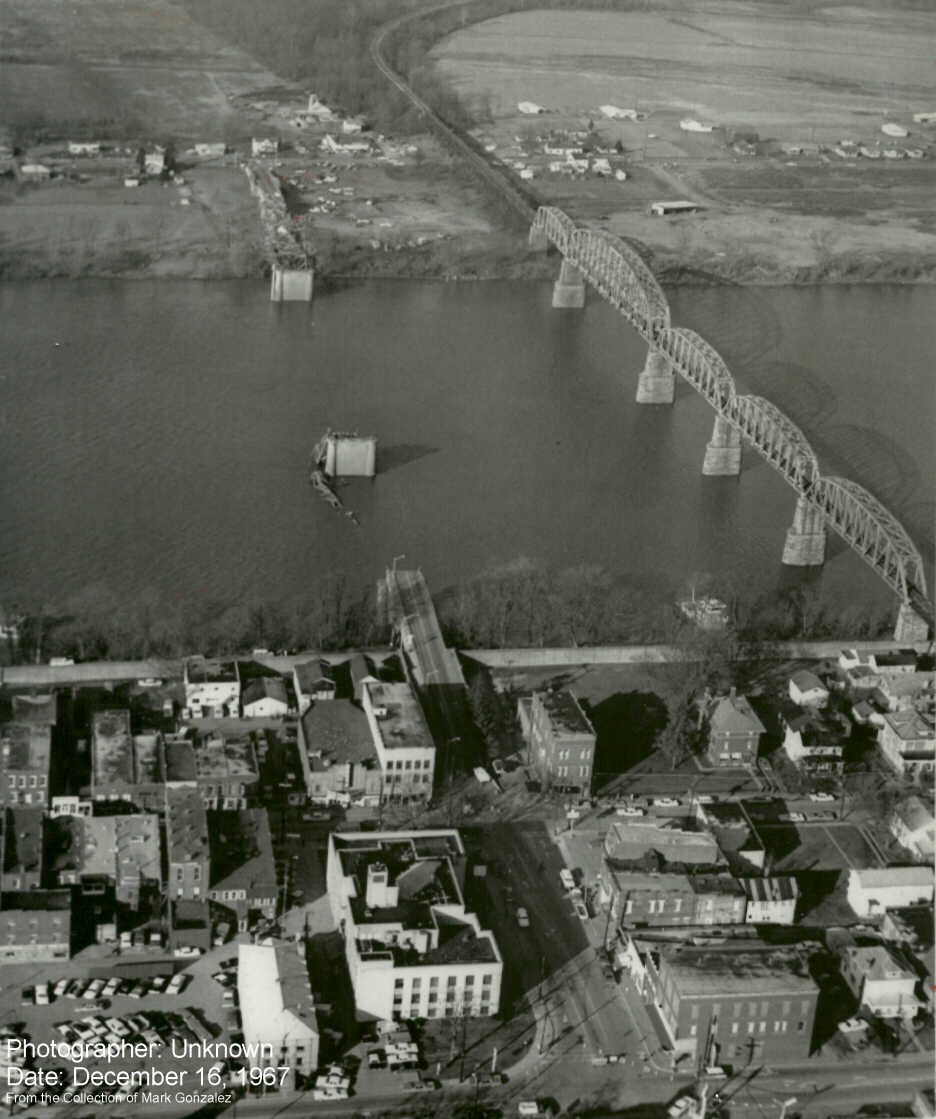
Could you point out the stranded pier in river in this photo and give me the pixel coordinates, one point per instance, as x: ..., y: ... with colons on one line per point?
x: 342, y: 454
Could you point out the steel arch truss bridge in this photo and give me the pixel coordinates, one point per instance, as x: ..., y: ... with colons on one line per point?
x: 623, y: 278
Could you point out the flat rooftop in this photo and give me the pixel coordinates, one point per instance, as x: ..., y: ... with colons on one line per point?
x: 241, y: 850
x: 34, y: 709
x: 404, y: 727
x: 186, y: 825
x: 336, y: 732
x: 146, y: 759
x: 179, y: 754
x: 22, y: 839
x: 224, y: 757
x: 111, y: 749
x: 199, y: 670
x: 565, y: 712
x: 26, y: 747
x: 138, y: 847
x: 724, y: 970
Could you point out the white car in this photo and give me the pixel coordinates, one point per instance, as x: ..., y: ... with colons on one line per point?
x: 177, y: 984
x: 821, y: 798
x: 93, y: 989
x: 566, y: 878
x: 629, y: 810
x: 529, y: 1108
x: 83, y: 1030
x: 41, y: 995
x: 117, y: 1026
x: 665, y: 802
x: 59, y: 989
x: 523, y: 918
x: 110, y: 987
x: 186, y: 950
x: 580, y: 911
x: 797, y: 818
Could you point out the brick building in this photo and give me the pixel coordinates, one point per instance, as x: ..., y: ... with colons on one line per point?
x: 561, y: 740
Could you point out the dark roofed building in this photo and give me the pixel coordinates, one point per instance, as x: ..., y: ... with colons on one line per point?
x: 187, y: 843
x: 736, y: 1003
x: 22, y: 848
x: 243, y: 871
x: 734, y: 731
x: 562, y: 740
x: 314, y: 681
x: 34, y: 709
x: 25, y: 756
x: 35, y: 926
x: 338, y: 756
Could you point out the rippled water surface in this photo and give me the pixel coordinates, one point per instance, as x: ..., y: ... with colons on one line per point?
x: 165, y: 441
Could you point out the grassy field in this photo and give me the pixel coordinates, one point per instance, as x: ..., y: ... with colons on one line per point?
x: 809, y: 77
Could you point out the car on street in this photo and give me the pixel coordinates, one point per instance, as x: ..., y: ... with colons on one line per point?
x: 629, y: 810
x: 704, y: 798
x: 796, y: 818
x: 42, y: 994
x: 523, y: 918
x: 186, y: 950
x: 822, y: 798
x: 665, y: 802
x: 580, y: 911
x: 566, y: 878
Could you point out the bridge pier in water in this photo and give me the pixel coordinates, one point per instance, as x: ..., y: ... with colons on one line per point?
x: 805, y: 538
x: 910, y: 629
x: 291, y: 285
x: 723, y: 452
x: 657, y: 382
x: 569, y: 289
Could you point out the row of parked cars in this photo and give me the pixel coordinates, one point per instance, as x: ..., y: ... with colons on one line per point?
x: 99, y: 991
x: 151, y: 1026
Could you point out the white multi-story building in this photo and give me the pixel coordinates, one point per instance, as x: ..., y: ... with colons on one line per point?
x: 404, y: 746
x: 212, y: 689
x: 883, y: 985
x: 277, y: 1007
x: 908, y: 742
x: 872, y: 892
x: 413, y: 949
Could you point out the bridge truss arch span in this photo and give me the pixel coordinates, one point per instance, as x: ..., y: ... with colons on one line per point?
x: 873, y: 532
x: 611, y: 266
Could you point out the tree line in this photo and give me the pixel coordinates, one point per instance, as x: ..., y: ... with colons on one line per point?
x: 522, y: 603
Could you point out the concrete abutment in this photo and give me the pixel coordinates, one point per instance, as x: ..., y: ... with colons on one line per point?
x: 723, y: 452
x: 806, y: 537
x: 910, y: 629
x: 569, y: 289
x: 657, y: 382
x: 291, y: 285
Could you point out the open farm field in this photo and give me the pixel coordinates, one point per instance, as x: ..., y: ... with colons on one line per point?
x: 781, y: 102
x: 130, y: 65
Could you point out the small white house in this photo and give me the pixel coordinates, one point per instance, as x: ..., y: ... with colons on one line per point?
x: 897, y: 130
x: 914, y: 827
x: 530, y: 108
x: 612, y: 112
x: 84, y: 147
x: 34, y: 172
x: 884, y: 986
x: 264, y: 145
x: 807, y: 690
x: 265, y: 698
x: 154, y: 161
x: 211, y: 150
x: 873, y: 891
x: 690, y: 125
x: 314, y: 681
x: 353, y: 125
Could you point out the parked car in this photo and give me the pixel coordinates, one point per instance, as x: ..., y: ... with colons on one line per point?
x: 186, y: 950
x: 821, y: 798
x: 138, y: 990
x: 42, y: 994
x: 60, y: 988
x: 665, y: 802
x: 523, y: 918
x: 75, y: 989
x: 94, y: 988
x: 111, y: 987
x: 28, y: 997
x: 566, y: 878
x: 796, y: 818
x: 178, y: 983
x: 581, y: 911
x: 159, y: 982
x: 117, y: 1026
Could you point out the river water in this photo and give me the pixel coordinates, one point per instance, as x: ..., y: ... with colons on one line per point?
x: 164, y: 441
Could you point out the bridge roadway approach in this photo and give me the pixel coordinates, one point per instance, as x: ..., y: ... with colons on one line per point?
x: 621, y: 276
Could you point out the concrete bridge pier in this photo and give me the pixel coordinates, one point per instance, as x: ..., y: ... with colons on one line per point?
x: 538, y: 241
x: 805, y: 538
x: 569, y: 289
x: 910, y: 629
x: 657, y: 382
x: 288, y: 285
x: 723, y: 452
